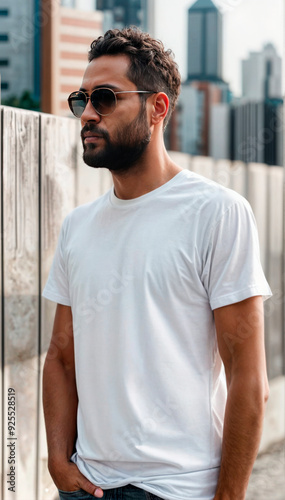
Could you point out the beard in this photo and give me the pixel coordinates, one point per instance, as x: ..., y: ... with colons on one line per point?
x: 123, y: 153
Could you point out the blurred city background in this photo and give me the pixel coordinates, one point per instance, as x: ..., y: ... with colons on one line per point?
x: 228, y: 126
x: 229, y: 97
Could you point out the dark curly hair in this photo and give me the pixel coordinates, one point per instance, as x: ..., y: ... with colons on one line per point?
x: 152, y: 67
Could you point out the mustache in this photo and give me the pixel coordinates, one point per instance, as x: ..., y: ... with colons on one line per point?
x: 89, y: 127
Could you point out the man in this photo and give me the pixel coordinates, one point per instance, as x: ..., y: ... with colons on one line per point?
x: 159, y: 289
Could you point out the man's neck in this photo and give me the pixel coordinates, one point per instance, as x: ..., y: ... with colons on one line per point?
x: 145, y: 177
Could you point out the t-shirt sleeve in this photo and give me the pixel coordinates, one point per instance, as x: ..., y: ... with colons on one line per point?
x: 56, y: 288
x: 232, y: 270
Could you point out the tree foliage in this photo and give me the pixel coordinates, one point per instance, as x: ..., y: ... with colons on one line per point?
x: 25, y: 101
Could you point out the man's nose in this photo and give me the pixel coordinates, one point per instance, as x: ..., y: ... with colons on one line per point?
x: 90, y: 114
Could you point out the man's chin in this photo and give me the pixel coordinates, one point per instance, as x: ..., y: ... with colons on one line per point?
x: 91, y: 161
x: 92, y: 157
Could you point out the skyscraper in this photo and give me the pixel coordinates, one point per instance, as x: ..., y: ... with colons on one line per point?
x: 204, y: 84
x: 204, y: 42
x: 121, y: 13
x: 262, y: 75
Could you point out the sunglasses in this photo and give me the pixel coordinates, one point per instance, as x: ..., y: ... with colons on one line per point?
x: 103, y: 100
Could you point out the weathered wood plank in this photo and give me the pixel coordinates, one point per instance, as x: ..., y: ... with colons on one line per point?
x: 238, y: 177
x: 182, y: 159
x: 59, y: 138
x: 257, y: 197
x: 21, y: 289
x: 203, y: 165
x: 257, y: 194
x: 273, y: 309
x: 2, y: 332
x: 222, y: 172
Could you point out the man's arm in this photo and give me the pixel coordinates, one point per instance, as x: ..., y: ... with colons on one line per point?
x: 60, y: 406
x: 240, y: 334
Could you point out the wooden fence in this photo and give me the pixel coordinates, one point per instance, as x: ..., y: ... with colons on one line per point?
x: 43, y: 178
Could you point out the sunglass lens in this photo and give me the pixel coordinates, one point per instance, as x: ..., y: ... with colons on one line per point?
x: 104, y: 101
x: 77, y: 103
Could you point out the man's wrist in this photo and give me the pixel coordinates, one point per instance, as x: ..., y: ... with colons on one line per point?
x: 221, y: 496
x: 57, y: 461
x: 225, y: 495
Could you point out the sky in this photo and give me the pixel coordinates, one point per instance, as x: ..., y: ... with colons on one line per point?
x: 247, y: 26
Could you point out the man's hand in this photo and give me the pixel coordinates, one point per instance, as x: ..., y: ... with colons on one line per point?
x: 67, y: 477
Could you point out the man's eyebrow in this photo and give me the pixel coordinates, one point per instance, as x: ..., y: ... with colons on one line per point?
x: 102, y: 86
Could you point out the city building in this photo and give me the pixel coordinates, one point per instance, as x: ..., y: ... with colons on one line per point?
x: 122, y: 13
x: 66, y: 39
x: 220, y: 131
x: 249, y: 131
x: 204, y: 42
x: 211, y: 95
x: 262, y: 75
x: 184, y: 130
x: 257, y: 132
x: 20, y: 26
x: 190, y: 132
x: 254, y: 122
x: 204, y: 86
x: 192, y: 100
x: 43, y: 48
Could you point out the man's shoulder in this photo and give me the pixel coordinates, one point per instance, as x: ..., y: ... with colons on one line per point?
x: 208, y: 196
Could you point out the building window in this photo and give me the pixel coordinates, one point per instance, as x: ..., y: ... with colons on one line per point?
x: 4, y: 12
x: 4, y: 86
x: 4, y: 38
x: 4, y: 62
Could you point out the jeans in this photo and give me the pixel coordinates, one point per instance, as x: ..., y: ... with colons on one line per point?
x: 128, y: 492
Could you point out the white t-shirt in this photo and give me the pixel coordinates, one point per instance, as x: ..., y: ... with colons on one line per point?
x: 143, y: 277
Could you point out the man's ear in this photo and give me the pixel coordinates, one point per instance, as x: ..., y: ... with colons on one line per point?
x: 160, y: 106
